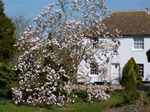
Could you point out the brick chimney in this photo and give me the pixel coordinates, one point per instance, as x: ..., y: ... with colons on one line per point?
x: 147, y: 10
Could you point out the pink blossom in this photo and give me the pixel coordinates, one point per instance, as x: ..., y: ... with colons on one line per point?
x: 70, y: 36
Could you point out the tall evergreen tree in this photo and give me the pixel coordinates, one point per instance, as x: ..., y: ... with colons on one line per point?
x: 7, y: 41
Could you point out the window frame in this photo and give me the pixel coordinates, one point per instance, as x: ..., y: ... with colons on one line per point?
x: 93, y: 69
x: 138, y: 42
x: 141, y: 67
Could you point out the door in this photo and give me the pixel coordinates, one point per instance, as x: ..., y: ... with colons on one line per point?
x: 115, y: 67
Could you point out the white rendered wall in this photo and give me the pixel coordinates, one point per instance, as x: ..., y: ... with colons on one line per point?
x: 126, y: 51
x: 84, y: 68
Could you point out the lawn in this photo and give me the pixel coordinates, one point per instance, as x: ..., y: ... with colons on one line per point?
x: 79, y: 106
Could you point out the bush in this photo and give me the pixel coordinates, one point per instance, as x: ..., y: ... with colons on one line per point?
x: 148, y: 55
x: 8, y: 79
x: 131, y: 78
x: 130, y: 94
x: 131, y: 73
x: 148, y: 94
x: 82, y: 94
x: 137, y: 73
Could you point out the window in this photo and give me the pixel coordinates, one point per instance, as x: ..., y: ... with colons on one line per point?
x: 141, y: 66
x: 94, y: 41
x: 138, y: 42
x: 93, y: 69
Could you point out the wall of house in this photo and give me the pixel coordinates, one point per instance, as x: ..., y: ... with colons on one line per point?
x: 84, y: 68
x: 126, y: 51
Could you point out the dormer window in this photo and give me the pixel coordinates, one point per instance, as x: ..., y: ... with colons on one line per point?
x: 138, y: 42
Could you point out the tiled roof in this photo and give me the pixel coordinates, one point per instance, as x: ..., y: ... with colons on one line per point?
x: 130, y: 22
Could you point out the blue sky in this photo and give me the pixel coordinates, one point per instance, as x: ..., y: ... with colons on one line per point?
x: 32, y: 8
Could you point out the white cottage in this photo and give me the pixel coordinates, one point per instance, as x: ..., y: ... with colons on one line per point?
x: 135, y: 29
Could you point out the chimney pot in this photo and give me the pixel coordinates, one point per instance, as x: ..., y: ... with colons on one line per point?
x: 147, y: 10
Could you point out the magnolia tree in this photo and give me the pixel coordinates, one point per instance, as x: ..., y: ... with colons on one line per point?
x: 69, y: 26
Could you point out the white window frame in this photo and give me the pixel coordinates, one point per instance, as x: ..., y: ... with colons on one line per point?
x: 138, y: 42
x: 93, y: 69
x: 141, y: 67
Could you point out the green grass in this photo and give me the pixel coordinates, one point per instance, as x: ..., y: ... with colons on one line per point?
x: 79, y: 106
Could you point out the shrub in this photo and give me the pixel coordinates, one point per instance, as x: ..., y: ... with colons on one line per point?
x: 131, y: 78
x: 148, y: 55
x: 148, y: 93
x: 137, y: 73
x: 131, y: 73
x: 82, y: 94
x: 130, y: 94
x: 7, y: 80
